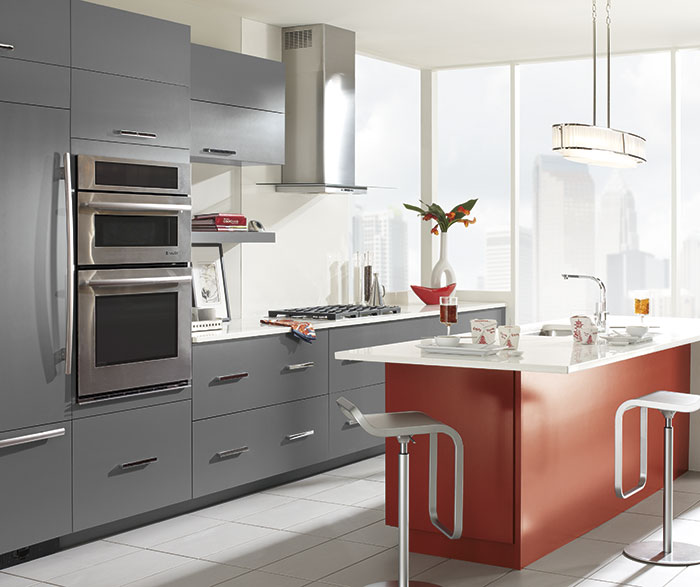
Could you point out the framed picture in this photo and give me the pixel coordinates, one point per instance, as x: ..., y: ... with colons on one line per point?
x: 208, y: 280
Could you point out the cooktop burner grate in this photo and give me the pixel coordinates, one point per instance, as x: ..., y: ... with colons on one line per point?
x: 334, y: 312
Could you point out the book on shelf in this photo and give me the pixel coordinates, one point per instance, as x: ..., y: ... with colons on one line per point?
x: 219, y: 220
x: 196, y: 228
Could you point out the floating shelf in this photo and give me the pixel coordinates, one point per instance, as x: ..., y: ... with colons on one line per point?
x: 232, y: 237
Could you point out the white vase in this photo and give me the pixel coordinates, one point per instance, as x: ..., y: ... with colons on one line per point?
x: 442, y: 266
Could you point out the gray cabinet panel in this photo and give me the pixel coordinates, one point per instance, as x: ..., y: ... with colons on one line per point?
x: 39, y: 30
x: 34, y: 83
x: 115, y: 41
x: 270, y: 380
x: 220, y: 460
x: 108, y: 482
x: 102, y: 105
x: 236, y: 79
x: 127, y: 151
x: 33, y: 244
x: 346, y: 437
x: 238, y: 134
x: 36, y: 488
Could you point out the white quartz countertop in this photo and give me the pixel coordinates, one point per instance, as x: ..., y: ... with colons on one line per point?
x: 542, y: 354
x: 251, y: 327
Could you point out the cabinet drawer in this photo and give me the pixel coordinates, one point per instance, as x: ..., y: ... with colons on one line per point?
x: 104, y: 106
x: 124, y: 43
x: 231, y: 376
x: 229, y: 451
x: 38, y: 30
x: 236, y: 79
x: 130, y: 462
x: 34, y: 83
x: 36, y: 486
x: 228, y: 135
x: 346, y: 437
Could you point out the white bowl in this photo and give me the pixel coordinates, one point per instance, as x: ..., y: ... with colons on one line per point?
x: 637, y: 330
x: 447, y: 340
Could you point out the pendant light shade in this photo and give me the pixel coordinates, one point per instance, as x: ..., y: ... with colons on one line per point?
x: 593, y: 144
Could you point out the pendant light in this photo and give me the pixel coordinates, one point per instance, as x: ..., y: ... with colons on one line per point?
x: 599, y: 145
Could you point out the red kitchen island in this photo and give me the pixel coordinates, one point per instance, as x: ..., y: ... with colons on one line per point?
x: 538, y: 434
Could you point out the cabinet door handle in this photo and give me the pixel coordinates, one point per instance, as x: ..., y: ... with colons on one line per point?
x: 300, y: 366
x: 233, y: 452
x: 141, y: 463
x: 137, y: 134
x: 299, y: 435
x: 7, y: 47
x: 232, y: 377
x: 225, y: 152
x: 39, y: 436
x: 351, y: 424
x: 70, y: 262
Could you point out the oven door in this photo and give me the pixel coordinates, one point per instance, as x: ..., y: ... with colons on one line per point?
x: 134, y: 330
x: 118, y: 229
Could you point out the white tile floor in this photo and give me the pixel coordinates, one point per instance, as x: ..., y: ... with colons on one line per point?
x: 329, y: 530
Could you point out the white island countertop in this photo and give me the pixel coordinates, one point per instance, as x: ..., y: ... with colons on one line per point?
x: 542, y: 354
x: 251, y: 327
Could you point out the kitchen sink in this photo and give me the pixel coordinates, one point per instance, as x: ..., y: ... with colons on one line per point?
x: 552, y: 330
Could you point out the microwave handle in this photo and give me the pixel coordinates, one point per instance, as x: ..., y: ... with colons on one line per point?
x: 137, y: 281
x: 136, y: 206
x: 70, y: 262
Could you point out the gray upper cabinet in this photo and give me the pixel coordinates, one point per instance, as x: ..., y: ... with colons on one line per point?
x: 34, y: 389
x: 34, y: 83
x: 35, y: 30
x: 236, y: 79
x: 112, y: 108
x: 123, y: 43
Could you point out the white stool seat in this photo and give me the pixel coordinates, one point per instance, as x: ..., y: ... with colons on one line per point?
x: 665, y: 401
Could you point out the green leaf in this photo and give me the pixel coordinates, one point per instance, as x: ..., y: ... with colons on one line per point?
x: 414, y: 208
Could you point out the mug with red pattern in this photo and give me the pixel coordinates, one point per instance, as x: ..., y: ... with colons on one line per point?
x: 483, y: 331
x: 578, y: 323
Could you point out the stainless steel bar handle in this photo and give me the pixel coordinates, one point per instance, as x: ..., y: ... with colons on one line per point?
x: 70, y: 262
x: 139, y: 463
x: 299, y: 435
x: 136, y: 206
x: 231, y: 377
x: 136, y: 281
x: 137, y: 134
x: 233, y: 452
x: 219, y: 151
x: 300, y: 366
x: 7, y: 47
x: 39, y: 436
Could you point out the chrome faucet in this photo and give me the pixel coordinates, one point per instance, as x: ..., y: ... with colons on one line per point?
x: 601, y: 311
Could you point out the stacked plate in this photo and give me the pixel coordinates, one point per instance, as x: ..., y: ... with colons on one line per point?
x: 464, y: 348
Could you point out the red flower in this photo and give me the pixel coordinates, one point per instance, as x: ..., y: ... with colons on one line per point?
x: 435, y: 229
x: 428, y: 217
x: 463, y: 211
x: 450, y: 215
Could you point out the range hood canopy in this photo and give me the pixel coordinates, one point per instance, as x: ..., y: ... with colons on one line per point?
x: 320, y: 110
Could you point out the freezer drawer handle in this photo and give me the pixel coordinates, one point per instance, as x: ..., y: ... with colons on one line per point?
x: 7, y: 47
x: 39, y: 436
x: 137, y: 134
x: 233, y: 452
x: 300, y: 366
x: 299, y: 435
x: 141, y: 463
x: 232, y: 377
x: 225, y: 152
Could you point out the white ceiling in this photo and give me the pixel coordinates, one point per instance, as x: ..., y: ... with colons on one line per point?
x: 445, y: 33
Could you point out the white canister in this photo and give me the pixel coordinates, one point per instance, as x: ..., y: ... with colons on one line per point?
x: 509, y: 337
x: 483, y: 330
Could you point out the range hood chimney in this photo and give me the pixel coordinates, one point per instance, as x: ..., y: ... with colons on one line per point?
x: 320, y: 110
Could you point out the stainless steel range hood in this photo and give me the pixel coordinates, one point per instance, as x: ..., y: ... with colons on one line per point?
x: 320, y: 110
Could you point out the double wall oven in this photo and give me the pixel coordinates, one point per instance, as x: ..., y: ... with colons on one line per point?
x: 132, y: 277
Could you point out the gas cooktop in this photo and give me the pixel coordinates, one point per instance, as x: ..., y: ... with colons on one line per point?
x: 334, y: 312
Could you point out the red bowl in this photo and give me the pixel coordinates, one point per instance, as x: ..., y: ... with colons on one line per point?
x: 432, y: 295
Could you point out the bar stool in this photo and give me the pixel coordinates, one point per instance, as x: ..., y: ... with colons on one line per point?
x: 403, y: 426
x: 656, y: 552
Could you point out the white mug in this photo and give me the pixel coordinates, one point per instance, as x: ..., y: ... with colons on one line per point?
x: 509, y: 337
x: 578, y: 323
x: 483, y: 331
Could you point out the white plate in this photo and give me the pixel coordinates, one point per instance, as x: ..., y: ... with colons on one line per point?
x: 464, y: 348
x: 623, y: 339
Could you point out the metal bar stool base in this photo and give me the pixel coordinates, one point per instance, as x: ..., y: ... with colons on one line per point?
x: 652, y: 552
x: 396, y: 584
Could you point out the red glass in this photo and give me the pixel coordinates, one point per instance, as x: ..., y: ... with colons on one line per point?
x: 448, y: 311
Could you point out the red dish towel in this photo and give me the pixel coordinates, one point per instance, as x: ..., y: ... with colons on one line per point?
x: 302, y: 330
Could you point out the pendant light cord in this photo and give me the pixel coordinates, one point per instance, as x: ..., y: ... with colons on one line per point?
x: 595, y: 59
x: 607, y: 22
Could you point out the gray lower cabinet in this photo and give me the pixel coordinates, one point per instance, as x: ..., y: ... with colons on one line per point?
x: 37, y: 84
x: 230, y: 135
x: 346, y: 436
x: 131, y: 462
x: 124, y: 43
x: 113, y: 108
x: 35, y: 468
x: 33, y: 260
x: 230, y: 376
x: 35, y: 30
x: 232, y: 450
